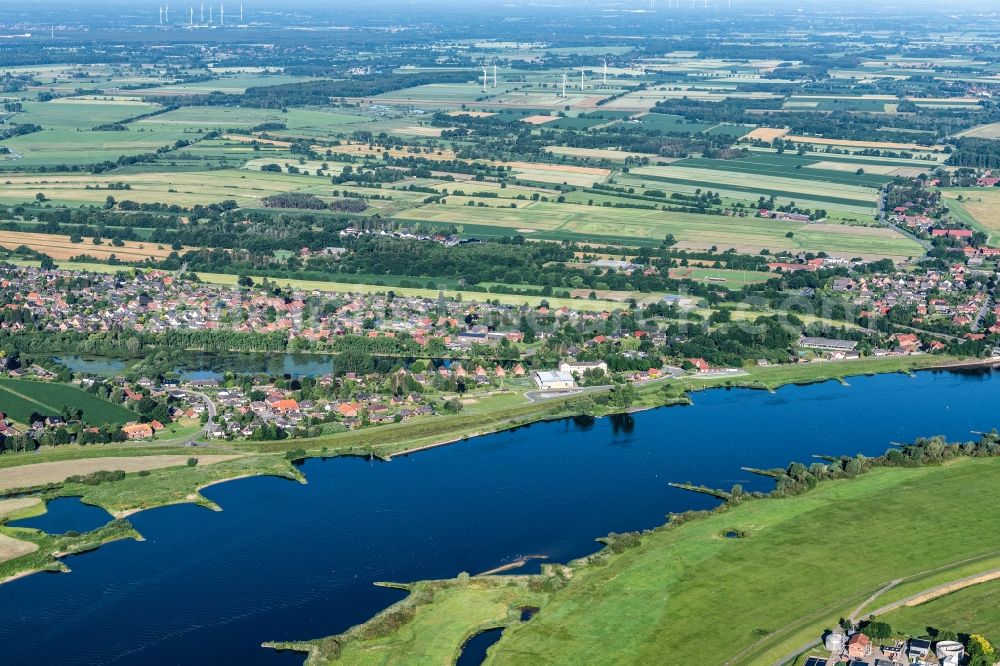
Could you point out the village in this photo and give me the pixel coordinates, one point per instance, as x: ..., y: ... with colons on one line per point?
x: 396, y: 358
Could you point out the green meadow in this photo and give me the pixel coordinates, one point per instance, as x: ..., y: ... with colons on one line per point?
x: 687, y: 594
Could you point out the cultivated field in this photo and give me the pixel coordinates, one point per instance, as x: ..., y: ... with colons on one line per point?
x: 881, y: 145
x: 991, y: 131
x: 11, y: 548
x: 982, y: 205
x: 605, y: 154
x: 766, y: 133
x: 61, y: 248
x: 183, y: 188
x: 554, y: 221
x: 20, y: 398
x: 39, y: 474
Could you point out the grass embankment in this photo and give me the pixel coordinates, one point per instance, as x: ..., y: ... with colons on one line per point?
x: 422, y: 626
x: 48, y: 549
x: 171, y: 485
x: 689, y: 593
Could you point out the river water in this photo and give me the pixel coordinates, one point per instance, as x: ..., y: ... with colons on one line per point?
x: 290, y: 561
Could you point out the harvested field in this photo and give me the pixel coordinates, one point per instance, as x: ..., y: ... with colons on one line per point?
x: 365, y: 150
x: 991, y: 131
x: 886, y: 145
x: 851, y: 167
x: 39, y: 474
x: 606, y: 154
x: 766, y: 133
x: 60, y: 247
x: 9, y: 506
x: 558, y: 173
x: 11, y: 548
x: 420, y: 130
x: 256, y: 139
x: 538, y: 120
x: 880, y: 169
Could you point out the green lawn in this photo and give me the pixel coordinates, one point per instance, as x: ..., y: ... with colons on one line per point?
x: 19, y: 398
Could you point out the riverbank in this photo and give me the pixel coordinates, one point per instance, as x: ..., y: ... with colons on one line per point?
x: 182, y: 484
x: 682, y: 591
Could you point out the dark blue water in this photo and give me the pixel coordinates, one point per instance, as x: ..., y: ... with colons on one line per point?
x: 474, y: 650
x: 65, y: 514
x: 291, y: 561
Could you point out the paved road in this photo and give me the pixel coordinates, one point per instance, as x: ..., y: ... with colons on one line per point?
x: 983, y: 311
x: 209, y: 407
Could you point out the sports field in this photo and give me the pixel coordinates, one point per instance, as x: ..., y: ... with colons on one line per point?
x: 19, y: 398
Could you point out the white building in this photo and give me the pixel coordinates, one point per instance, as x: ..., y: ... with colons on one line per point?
x: 554, y: 380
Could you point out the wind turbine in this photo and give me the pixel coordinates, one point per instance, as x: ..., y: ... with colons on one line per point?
x: 222, y: 15
x: 564, y: 87
x: 484, y: 78
x: 202, y: 13
x: 605, y: 71
x: 241, y: 13
x: 494, y: 75
x: 583, y: 78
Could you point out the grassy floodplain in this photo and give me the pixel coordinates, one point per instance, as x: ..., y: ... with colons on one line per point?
x: 690, y: 593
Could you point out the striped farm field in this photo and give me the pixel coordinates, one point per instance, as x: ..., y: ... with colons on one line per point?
x: 60, y: 247
x: 565, y: 221
x: 881, y: 145
x: 20, y: 398
x: 830, y: 186
x: 245, y: 186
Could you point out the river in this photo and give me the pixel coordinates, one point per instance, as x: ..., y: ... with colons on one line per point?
x: 291, y: 561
